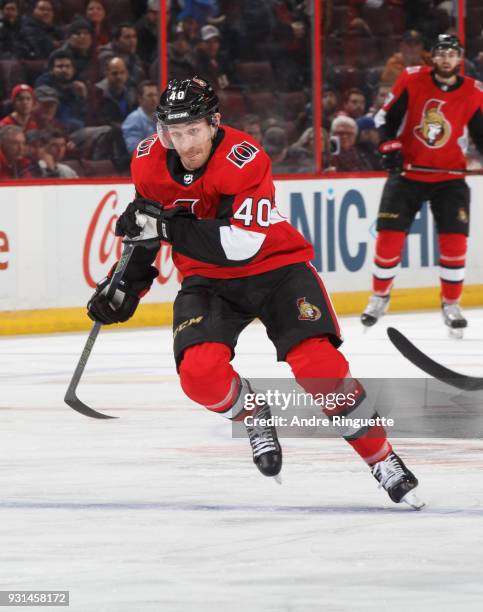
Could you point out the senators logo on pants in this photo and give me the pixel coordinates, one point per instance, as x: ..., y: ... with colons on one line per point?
x: 308, y: 312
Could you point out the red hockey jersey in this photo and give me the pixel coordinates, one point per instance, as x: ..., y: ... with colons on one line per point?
x: 432, y: 120
x: 233, y: 199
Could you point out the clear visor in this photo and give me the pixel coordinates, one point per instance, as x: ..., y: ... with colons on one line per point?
x: 184, y: 136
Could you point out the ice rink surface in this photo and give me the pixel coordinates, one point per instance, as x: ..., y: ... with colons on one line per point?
x: 161, y: 510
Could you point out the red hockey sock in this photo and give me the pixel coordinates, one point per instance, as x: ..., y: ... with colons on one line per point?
x: 320, y: 368
x: 452, y: 248
x: 207, y: 376
x: 387, y: 258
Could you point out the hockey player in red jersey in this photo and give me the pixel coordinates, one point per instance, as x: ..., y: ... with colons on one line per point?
x: 207, y: 189
x: 424, y: 122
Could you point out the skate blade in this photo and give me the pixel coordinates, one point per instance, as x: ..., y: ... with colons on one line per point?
x: 278, y: 479
x: 413, y: 500
x: 456, y: 333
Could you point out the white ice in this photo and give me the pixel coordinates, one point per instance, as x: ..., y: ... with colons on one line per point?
x: 161, y: 510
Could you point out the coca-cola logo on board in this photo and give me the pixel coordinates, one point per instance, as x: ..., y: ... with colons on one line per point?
x: 102, y: 248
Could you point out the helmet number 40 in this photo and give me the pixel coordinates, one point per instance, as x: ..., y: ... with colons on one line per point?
x: 177, y: 95
x: 245, y: 212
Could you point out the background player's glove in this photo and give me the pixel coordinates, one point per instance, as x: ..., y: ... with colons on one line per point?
x: 165, y: 218
x: 122, y: 306
x: 392, y: 156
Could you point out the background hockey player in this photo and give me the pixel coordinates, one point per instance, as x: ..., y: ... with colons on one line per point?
x: 207, y: 189
x: 424, y: 122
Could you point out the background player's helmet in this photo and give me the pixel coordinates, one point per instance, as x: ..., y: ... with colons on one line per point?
x: 447, y: 41
x: 184, y: 101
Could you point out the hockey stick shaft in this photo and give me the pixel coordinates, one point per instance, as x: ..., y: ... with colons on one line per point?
x: 431, y: 367
x: 455, y: 171
x: 71, y: 398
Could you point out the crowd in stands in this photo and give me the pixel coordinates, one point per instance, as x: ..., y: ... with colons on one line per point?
x: 79, y: 78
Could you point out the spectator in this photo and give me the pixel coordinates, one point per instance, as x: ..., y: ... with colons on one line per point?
x: 46, y: 106
x: 114, y: 99
x: 124, y: 44
x: 284, y: 158
x: 329, y: 106
x: 147, y: 30
x: 72, y: 93
x: 411, y: 53
x: 383, y: 89
x: 96, y: 14
x: 191, y: 29
x: 9, y: 29
x: 141, y: 123
x: 13, y: 163
x: 209, y: 61
x: 81, y: 47
x: 181, y: 60
x: 368, y: 141
x: 252, y: 124
x: 348, y: 158
x: 23, y: 103
x: 56, y: 147
x: 199, y: 10
x: 354, y: 103
x: 38, y: 37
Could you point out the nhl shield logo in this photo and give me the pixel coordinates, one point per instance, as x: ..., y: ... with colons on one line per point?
x: 188, y: 179
x: 308, y: 312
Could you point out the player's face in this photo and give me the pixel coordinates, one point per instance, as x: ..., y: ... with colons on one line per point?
x: 192, y: 142
x: 447, y: 62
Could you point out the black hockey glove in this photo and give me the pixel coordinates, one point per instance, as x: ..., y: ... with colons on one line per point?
x: 122, y: 306
x: 165, y: 218
x: 392, y: 156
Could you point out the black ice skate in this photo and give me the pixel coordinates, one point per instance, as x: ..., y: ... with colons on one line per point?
x: 454, y: 319
x: 377, y: 306
x: 267, y: 453
x: 397, y: 480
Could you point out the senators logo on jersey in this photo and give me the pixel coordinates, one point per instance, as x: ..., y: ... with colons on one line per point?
x: 434, y: 130
x: 242, y: 154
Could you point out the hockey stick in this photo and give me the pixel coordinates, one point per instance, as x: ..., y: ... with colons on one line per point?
x: 431, y: 367
x: 410, y: 167
x: 71, y: 398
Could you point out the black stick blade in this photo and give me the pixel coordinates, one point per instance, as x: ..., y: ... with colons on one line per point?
x: 431, y: 367
x: 75, y: 403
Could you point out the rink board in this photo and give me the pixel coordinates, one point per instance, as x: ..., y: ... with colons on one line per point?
x: 56, y: 240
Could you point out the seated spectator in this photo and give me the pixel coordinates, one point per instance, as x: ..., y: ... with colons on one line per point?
x: 72, y: 93
x: 147, y: 29
x: 9, y: 29
x: 368, y: 141
x: 349, y: 158
x: 209, y: 60
x: 113, y: 99
x: 329, y: 106
x: 354, y: 103
x: 411, y: 53
x: 23, y: 103
x: 285, y: 159
x: 96, y: 14
x: 124, y: 44
x: 46, y: 107
x: 181, y: 60
x: 141, y: 123
x: 199, y: 10
x: 80, y: 45
x: 380, y: 95
x: 45, y: 149
x: 38, y: 36
x: 252, y: 124
x: 13, y: 162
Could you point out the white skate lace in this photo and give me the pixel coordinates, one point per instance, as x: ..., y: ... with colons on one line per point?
x: 452, y: 312
x: 377, y: 305
x: 261, y: 438
x: 388, y: 472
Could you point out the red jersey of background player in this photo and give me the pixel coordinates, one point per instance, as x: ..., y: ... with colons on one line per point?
x: 236, y: 189
x: 431, y: 120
